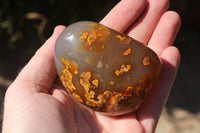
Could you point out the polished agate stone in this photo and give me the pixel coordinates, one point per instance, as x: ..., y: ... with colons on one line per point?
x: 103, y: 69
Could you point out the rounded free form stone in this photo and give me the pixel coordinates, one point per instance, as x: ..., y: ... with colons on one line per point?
x: 103, y: 69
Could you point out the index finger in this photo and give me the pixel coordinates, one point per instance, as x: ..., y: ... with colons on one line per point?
x: 123, y: 14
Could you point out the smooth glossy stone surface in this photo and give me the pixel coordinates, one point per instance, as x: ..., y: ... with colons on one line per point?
x: 103, y: 69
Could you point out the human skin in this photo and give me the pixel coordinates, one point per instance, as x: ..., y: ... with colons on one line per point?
x: 37, y: 102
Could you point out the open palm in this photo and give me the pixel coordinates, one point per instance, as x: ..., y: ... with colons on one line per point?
x: 37, y: 102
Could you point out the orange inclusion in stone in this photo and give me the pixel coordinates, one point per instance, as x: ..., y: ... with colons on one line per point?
x: 114, y: 99
x: 66, y: 76
x: 123, y: 39
x: 89, y: 95
x: 92, y: 39
x: 71, y: 66
x: 146, y: 61
x: 84, y: 80
x: 95, y: 82
x: 111, y: 83
x: 124, y: 68
x: 127, y: 52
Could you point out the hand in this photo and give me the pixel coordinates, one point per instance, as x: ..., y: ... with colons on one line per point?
x: 36, y: 102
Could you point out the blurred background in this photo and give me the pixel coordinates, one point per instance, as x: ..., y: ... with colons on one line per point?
x: 25, y: 25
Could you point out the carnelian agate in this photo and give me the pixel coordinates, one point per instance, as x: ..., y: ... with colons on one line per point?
x: 103, y: 69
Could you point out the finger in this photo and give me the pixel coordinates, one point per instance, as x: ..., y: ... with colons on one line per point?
x: 120, y: 124
x: 61, y: 95
x: 39, y: 74
x: 123, y: 14
x: 143, y: 28
x: 151, y: 109
x: 58, y: 89
x: 165, y: 32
